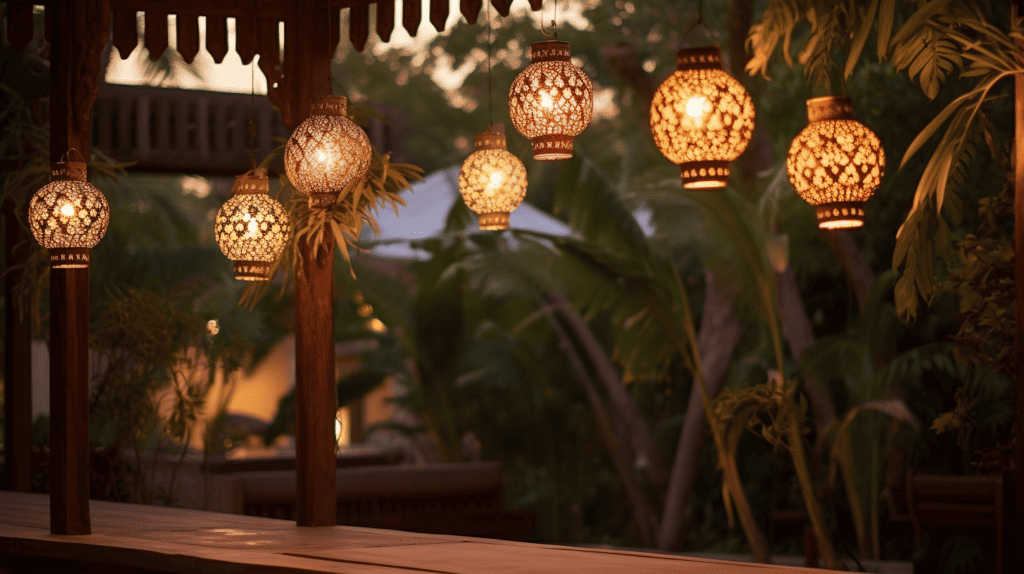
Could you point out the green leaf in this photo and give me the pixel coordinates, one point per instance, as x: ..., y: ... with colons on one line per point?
x: 860, y: 38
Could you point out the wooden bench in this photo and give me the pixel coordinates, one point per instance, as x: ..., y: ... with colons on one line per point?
x: 452, y: 498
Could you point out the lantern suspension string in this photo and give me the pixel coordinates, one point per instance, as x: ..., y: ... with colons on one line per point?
x: 490, y: 99
x: 554, y: 25
x: 252, y: 93
x: 700, y: 22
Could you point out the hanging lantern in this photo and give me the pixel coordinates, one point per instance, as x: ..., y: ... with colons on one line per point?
x: 326, y: 152
x: 68, y: 216
x: 492, y: 180
x: 835, y: 163
x: 702, y: 118
x: 551, y: 101
x: 252, y: 227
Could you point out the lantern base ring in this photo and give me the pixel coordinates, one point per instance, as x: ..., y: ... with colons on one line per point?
x: 840, y: 215
x: 552, y: 147
x: 704, y: 174
x: 252, y: 270
x: 322, y: 200
x: 69, y: 258
x: 494, y: 221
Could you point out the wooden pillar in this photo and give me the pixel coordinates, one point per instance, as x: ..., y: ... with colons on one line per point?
x: 78, y: 32
x: 1018, y: 242
x: 316, y: 400
x: 17, y: 363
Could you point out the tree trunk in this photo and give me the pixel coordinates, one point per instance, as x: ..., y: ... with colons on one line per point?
x: 796, y: 328
x: 640, y: 439
x: 643, y: 512
x: 720, y: 332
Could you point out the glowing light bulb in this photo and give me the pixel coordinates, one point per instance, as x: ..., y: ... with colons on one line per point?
x: 321, y: 156
x: 67, y: 210
x: 253, y: 228
x: 496, y: 179
x: 546, y: 101
x: 697, y: 106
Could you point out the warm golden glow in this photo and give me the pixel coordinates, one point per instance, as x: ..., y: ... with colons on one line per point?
x: 326, y: 152
x: 492, y: 181
x: 68, y: 216
x: 697, y: 106
x: 551, y: 101
x: 702, y: 119
x: 252, y: 228
x: 836, y: 164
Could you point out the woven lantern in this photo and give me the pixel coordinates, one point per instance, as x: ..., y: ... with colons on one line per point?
x: 68, y: 216
x: 835, y: 163
x: 702, y: 118
x: 252, y: 227
x: 492, y: 180
x: 326, y: 152
x: 551, y: 101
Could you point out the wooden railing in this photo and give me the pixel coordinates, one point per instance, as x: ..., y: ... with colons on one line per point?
x: 191, y: 131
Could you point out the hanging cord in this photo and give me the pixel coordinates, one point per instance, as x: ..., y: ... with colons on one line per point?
x: 554, y: 25
x: 67, y: 155
x: 700, y: 22
x: 490, y: 98
x: 252, y: 93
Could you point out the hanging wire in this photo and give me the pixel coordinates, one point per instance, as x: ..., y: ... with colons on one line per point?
x: 252, y: 93
x: 490, y: 98
x: 700, y: 22
x: 554, y: 25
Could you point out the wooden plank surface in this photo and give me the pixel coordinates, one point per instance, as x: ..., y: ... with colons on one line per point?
x: 178, y: 540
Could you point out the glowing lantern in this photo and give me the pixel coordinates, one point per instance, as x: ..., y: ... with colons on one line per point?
x: 68, y: 216
x: 835, y: 163
x: 551, y: 101
x: 326, y: 152
x: 702, y: 118
x: 492, y: 180
x: 252, y: 227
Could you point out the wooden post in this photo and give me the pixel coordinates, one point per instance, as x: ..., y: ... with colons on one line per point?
x: 1018, y: 243
x: 17, y: 363
x: 316, y: 400
x: 78, y: 32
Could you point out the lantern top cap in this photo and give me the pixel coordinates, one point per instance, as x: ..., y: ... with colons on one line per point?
x: 703, y: 58
x: 68, y: 171
x: 253, y: 182
x: 328, y: 106
x: 549, y: 51
x: 829, y: 108
x: 491, y: 138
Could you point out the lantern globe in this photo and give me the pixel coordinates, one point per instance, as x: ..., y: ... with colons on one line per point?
x: 702, y: 118
x: 551, y: 101
x: 836, y: 163
x: 68, y: 216
x: 326, y: 152
x: 252, y: 227
x: 492, y: 181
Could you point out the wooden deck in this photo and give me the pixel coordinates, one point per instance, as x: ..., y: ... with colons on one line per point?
x: 129, y: 537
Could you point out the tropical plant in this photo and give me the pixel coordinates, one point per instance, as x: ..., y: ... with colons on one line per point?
x: 343, y: 220
x: 933, y: 40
